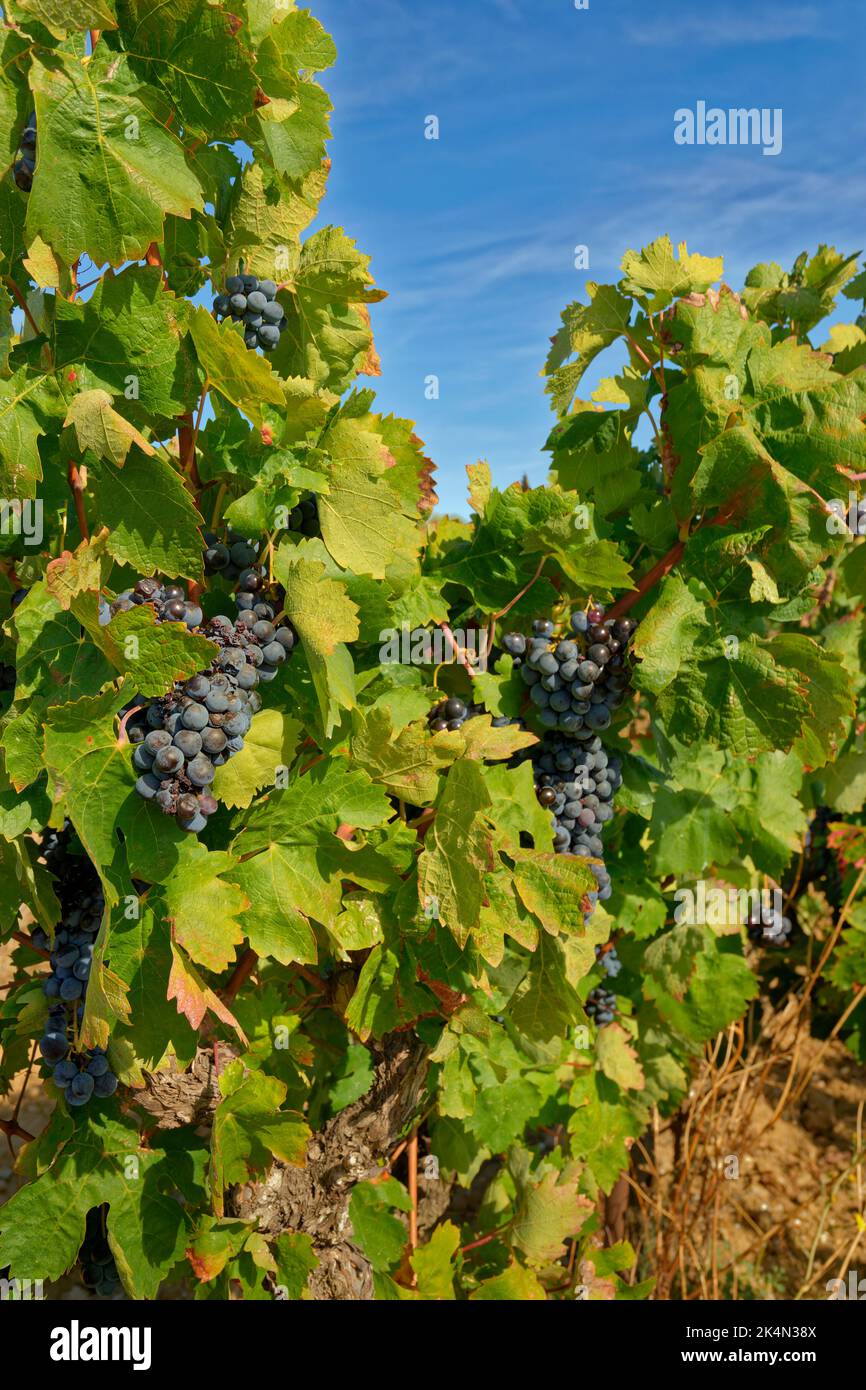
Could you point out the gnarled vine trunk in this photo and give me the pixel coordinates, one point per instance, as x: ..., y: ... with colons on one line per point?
x: 350, y: 1148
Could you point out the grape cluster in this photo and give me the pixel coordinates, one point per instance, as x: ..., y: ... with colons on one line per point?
x: 769, y: 927
x: 236, y: 553
x: 608, y: 960
x: 230, y: 557
x: 576, y: 782
x: 253, y: 303
x: 7, y: 677
x: 79, y: 1073
x: 575, y: 683
x: 601, y: 1005
x: 304, y: 518
x: 452, y: 714
x: 169, y: 602
x: 25, y: 165
x: 98, y: 1266
x: 181, y: 739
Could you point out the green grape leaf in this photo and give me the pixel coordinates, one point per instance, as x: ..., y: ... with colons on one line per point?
x: 115, y: 169
x: 325, y: 619
x: 658, y: 275
x: 433, y: 1263
x: 130, y: 340
x: 249, y: 1128
x: 28, y: 406
x: 587, y: 329
x: 243, y: 377
x: 99, y: 428
x: 43, y: 1225
x: 203, y: 907
x: 269, y: 746
x: 380, y: 1234
x: 62, y: 19
x: 406, y: 762
x: 365, y: 525
x: 89, y: 775
x: 516, y: 1284
x: 196, y: 58
x: 327, y: 337
x: 151, y: 516
x: 457, y: 851
x: 617, y: 1058
x: 548, y: 1212
x: 154, y: 655
x: 295, y: 1262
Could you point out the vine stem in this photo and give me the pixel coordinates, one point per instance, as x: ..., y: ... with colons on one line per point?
x: 650, y: 579
x: 187, y: 439
x: 459, y: 653
x: 485, y: 1240
x: 22, y: 302
x: 121, y: 732
x: 22, y: 1093
x: 491, y: 627
x: 239, y: 976
x: 79, y: 289
x: 412, y: 1155
x: 667, y: 562
x: 186, y: 450
x: 220, y: 498
x: 640, y: 352
x: 204, y: 390
x: 13, y: 1130
x: 78, y: 498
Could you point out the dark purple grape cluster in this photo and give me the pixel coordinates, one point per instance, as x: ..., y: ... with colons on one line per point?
x: 253, y: 303
x: 577, y: 682
x: 181, y: 739
x: 601, y: 1005
x: 98, y: 1266
x: 168, y: 601
x: 229, y: 557
x: 25, y: 164
x: 576, y: 782
x: 452, y: 714
x: 769, y: 927
x: 79, y: 1073
x: 608, y: 960
x: 235, y: 553
x: 304, y: 518
x: 7, y: 677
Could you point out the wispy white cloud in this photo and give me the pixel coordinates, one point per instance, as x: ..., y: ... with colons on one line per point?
x: 716, y: 26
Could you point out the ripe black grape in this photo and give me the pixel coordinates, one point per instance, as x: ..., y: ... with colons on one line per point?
x: 73, y: 1069
x: 24, y: 166
x: 181, y: 739
x: 98, y: 1267
x: 253, y: 303
x: 601, y: 1005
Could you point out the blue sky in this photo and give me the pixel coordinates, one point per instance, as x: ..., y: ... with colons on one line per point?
x: 556, y: 129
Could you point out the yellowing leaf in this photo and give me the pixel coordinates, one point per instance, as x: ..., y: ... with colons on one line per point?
x: 99, y: 427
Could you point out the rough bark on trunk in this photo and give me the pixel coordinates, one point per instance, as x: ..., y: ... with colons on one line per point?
x: 350, y: 1148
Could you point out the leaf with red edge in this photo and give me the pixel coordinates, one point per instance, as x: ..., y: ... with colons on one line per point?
x: 194, y: 997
